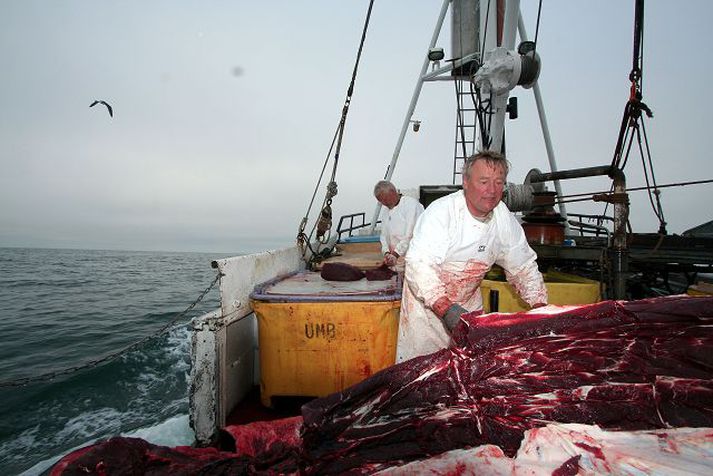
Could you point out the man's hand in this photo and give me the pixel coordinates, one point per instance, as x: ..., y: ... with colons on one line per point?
x: 453, y: 316
x: 441, y: 306
x: 390, y: 258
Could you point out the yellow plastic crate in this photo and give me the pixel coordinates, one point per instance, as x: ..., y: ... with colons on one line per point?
x: 700, y: 289
x: 314, y: 348
x: 562, y: 289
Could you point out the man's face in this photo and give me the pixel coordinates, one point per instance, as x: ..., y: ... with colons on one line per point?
x: 483, y: 188
x: 389, y: 198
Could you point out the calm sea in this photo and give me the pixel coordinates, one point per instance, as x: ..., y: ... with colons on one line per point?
x: 63, y: 308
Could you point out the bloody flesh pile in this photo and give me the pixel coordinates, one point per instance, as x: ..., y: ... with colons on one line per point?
x: 621, y: 365
x: 637, y: 365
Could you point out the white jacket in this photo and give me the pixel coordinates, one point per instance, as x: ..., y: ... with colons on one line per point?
x: 449, y: 255
x: 397, y: 225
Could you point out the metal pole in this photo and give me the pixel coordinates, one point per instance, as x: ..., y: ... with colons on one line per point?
x: 620, y: 253
x: 500, y: 101
x: 573, y: 173
x: 488, y: 36
x: 412, y: 107
x: 512, y: 14
x: 545, y: 128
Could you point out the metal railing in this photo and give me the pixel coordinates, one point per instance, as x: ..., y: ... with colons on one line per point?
x: 356, y: 221
x: 594, y: 225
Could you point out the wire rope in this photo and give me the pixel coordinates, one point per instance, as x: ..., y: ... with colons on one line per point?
x: 537, y: 25
x: 337, y: 139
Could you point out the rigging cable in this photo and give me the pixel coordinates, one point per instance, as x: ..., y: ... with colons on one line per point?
x: 300, y: 234
x: 537, y: 25
x: 324, y: 222
x: 656, y: 194
x: 632, y: 123
x: 485, y: 32
x: 480, y: 112
x: 484, y: 129
x: 577, y: 197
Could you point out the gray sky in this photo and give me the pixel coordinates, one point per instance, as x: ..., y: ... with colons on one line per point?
x: 224, y: 112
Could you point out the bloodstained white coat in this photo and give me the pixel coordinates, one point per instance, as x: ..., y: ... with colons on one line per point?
x: 398, y: 223
x: 449, y: 255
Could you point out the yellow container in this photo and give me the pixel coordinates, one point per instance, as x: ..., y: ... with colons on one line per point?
x: 318, y: 337
x: 562, y: 288
x: 700, y: 289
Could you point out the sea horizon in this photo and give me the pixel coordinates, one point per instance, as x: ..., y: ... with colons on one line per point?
x: 248, y: 245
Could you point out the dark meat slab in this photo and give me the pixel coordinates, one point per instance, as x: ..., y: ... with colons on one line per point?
x: 382, y: 273
x: 133, y: 456
x: 341, y: 272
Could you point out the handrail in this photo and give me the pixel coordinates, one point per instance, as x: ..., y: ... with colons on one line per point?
x: 352, y: 227
x: 595, y: 228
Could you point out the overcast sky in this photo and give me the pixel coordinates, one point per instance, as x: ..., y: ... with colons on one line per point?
x: 224, y: 112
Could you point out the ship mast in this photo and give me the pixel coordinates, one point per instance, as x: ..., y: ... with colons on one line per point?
x: 493, y: 65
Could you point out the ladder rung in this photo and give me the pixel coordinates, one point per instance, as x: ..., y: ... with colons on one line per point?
x: 465, y: 140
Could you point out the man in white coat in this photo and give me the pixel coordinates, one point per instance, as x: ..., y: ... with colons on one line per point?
x: 455, y: 243
x: 397, y: 225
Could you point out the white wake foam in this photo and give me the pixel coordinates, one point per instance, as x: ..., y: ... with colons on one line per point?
x: 173, y: 432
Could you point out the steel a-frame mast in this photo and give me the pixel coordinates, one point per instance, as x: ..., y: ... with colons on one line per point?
x: 500, y: 70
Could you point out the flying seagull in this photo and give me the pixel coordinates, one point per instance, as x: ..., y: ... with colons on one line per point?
x: 111, y: 111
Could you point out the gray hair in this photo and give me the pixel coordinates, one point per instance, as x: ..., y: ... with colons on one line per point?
x: 492, y: 158
x: 382, y: 187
